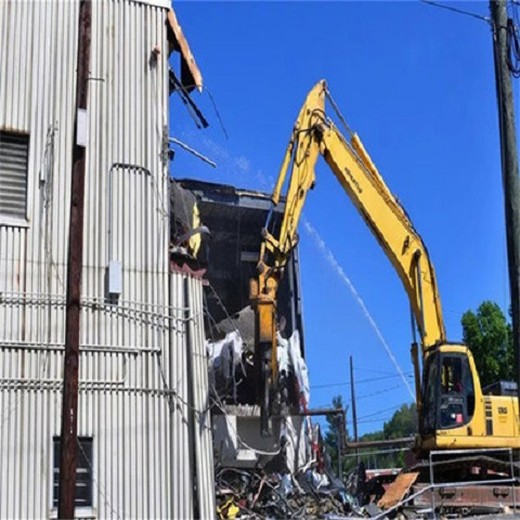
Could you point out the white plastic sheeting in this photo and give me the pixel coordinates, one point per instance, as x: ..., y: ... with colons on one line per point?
x: 290, y: 356
x: 225, y: 361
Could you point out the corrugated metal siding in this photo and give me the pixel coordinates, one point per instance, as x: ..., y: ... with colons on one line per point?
x: 191, y: 422
x: 146, y: 407
x: 199, y: 380
x: 131, y: 352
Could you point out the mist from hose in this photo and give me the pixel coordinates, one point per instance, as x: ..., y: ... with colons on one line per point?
x: 329, y: 257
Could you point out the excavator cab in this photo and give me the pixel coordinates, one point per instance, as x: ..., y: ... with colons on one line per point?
x: 448, y: 391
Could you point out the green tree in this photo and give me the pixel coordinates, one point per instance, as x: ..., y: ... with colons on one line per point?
x: 488, y: 335
x: 402, y: 424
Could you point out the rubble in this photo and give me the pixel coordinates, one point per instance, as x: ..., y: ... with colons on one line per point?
x: 257, y: 494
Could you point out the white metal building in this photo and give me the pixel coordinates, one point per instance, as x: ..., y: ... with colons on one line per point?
x: 145, y: 438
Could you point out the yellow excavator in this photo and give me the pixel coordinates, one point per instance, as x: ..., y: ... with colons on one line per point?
x: 453, y: 411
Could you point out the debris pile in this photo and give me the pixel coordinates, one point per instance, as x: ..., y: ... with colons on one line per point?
x: 256, y: 494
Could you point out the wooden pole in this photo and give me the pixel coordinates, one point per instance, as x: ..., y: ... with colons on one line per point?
x: 69, y: 420
x: 509, y: 158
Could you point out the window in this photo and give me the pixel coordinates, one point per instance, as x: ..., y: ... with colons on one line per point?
x: 84, y: 475
x: 448, y: 392
x: 457, y: 400
x: 429, y: 415
x: 14, y: 151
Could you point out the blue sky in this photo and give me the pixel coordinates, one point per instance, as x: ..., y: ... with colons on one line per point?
x: 417, y: 83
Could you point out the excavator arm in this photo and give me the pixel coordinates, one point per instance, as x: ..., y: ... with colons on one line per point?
x: 314, y: 134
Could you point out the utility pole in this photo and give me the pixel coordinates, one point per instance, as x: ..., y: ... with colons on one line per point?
x: 339, y: 440
x: 353, y: 397
x: 509, y: 159
x: 69, y: 419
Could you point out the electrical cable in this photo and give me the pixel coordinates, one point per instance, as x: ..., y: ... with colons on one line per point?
x: 513, y: 48
x: 223, y: 307
x: 177, y: 87
x: 361, y: 381
x: 374, y: 370
x: 379, y: 392
x: 395, y: 407
x: 217, y: 112
x: 96, y: 483
x: 456, y: 10
x: 379, y: 420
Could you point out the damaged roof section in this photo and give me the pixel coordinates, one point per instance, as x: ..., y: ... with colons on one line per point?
x: 191, y: 76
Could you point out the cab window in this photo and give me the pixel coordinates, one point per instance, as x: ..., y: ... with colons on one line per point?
x: 430, y: 381
x: 457, y: 396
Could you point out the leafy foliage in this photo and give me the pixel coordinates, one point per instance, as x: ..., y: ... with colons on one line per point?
x: 403, y: 423
x: 488, y: 334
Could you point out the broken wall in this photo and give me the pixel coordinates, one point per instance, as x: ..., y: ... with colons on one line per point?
x: 235, y: 219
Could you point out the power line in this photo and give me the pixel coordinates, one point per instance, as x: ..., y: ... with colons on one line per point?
x: 206, y: 89
x: 369, y: 380
x: 379, y: 392
x: 513, y: 46
x: 366, y: 421
x: 395, y: 407
x: 456, y: 10
x: 374, y: 370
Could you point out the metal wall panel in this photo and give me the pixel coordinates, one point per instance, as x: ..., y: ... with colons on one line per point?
x: 199, y: 380
x: 135, y: 394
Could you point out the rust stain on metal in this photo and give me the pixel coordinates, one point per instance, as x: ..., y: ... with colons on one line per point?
x: 470, y: 495
x: 397, y: 489
x: 191, y: 77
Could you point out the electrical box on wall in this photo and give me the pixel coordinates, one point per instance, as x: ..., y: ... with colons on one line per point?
x: 115, y: 278
x: 82, y: 128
